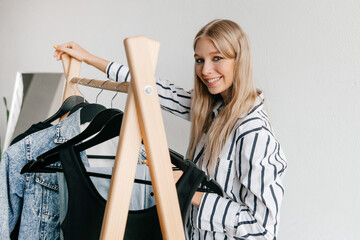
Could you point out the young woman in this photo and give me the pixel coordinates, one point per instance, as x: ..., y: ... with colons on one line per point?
x: 231, y: 136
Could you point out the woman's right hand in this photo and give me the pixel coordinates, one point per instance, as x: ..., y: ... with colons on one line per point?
x: 76, y: 51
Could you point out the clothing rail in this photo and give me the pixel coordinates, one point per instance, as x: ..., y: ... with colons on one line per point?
x: 142, y: 121
x: 102, y: 84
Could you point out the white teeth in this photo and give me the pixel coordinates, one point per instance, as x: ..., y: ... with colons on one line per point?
x: 213, y: 80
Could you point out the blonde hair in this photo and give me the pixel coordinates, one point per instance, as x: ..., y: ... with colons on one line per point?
x: 231, y: 41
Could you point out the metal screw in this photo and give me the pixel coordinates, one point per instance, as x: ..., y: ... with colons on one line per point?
x: 148, y: 90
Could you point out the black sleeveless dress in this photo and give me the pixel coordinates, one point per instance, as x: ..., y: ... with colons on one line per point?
x: 86, y: 207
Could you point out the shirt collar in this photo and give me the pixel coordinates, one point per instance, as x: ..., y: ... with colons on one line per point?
x: 217, y: 108
x: 258, y: 101
x: 67, y: 127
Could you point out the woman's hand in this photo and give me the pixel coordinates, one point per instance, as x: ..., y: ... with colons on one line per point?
x: 73, y: 49
x: 76, y: 51
x: 196, y: 200
x: 177, y: 174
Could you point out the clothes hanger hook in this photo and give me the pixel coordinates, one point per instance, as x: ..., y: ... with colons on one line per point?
x: 116, y: 88
x: 72, y: 87
x: 100, y: 90
x: 79, y: 89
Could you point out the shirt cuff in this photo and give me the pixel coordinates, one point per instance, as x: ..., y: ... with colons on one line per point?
x: 117, y: 72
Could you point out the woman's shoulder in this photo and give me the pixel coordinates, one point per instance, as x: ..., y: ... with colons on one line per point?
x: 257, y: 120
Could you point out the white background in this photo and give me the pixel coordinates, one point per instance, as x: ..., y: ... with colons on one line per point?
x: 307, y: 62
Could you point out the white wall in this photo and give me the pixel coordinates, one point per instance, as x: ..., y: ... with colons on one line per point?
x: 306, y: 57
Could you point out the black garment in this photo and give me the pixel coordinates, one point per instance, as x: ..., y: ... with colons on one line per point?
x: 86, y: 207
x: 33, y: 128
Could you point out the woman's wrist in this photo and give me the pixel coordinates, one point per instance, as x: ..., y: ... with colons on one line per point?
x: 97, y: 62
x: 196, y: 200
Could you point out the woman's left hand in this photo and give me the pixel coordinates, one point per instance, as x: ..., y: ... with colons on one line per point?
x: 196, y: 200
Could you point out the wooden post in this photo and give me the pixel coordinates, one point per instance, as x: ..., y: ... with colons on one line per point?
x: 142, y: 117
x: 72, y: 68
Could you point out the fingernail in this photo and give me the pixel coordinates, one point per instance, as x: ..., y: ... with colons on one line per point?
x: 55, y: 46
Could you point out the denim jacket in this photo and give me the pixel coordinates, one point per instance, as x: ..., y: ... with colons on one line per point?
x: 33, y: 196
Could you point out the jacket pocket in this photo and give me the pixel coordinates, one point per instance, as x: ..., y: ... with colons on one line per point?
x: 47, y: 193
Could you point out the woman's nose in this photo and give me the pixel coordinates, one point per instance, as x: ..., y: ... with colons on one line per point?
x: 207, y: 68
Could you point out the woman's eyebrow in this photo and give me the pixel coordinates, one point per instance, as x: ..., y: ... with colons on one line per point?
x: 215, y: 52
x: 211, y: 53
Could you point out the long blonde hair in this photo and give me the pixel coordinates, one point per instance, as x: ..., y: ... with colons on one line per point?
x: 231, y: 41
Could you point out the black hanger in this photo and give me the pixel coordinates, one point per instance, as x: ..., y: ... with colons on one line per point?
x: 66, y: 106
x: 50, y: 156
x: 78, y: 106
x: 207, y: 184
x: 90, y: 174
x: 110, y: 130
x: 89, y: 111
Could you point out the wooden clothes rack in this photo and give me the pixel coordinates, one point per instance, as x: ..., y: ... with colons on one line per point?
x: 142, y: 121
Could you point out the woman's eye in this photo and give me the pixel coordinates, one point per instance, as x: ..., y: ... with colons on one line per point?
x: 199, y: 60
x: 217, y: 58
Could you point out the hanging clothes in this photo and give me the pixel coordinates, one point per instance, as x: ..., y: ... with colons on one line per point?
x: 86, y: 206
x: 33, y: 128
x: 36, y: 193
x: 142, y: 196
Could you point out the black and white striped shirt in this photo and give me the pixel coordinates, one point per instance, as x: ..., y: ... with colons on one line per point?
x: 250, y: 171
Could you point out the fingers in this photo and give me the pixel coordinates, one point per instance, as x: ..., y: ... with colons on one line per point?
x: 74, y: 50
x: 60, y: 49
x: 69, y: 48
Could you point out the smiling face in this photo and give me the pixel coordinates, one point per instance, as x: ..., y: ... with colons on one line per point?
x: 214, y: 70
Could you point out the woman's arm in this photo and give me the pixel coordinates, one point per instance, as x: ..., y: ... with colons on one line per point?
x: 173, y: 99
x: 252, y: 211
x: 76, y: 51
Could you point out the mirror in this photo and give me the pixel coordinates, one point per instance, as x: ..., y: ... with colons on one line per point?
x: 36, y: 97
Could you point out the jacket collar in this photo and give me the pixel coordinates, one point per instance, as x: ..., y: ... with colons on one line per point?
x: 258, y: 102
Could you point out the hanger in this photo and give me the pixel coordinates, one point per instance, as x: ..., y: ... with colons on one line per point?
x: 88, y: 110
x: 49, y: 157
x: 110, y: 130
x: 95, y: 112
x: 66, y: 106
x: 207, y: 184
x: 90, y: 174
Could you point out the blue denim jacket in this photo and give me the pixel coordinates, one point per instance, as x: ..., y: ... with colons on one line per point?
x: 35, y: 193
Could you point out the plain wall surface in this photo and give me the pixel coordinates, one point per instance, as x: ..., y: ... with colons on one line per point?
x: 306, y: 60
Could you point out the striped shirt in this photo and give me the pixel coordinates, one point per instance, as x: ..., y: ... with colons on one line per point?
x: 250, y: 169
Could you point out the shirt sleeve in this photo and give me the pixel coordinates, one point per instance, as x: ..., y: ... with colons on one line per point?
x: 254, y: 214
x: 173, y: 99
x: 10, y: 195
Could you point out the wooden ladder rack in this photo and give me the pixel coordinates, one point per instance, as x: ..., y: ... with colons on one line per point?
x: 142, y: 121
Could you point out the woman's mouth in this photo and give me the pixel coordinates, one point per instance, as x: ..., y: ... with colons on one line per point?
x: 212, y: 81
